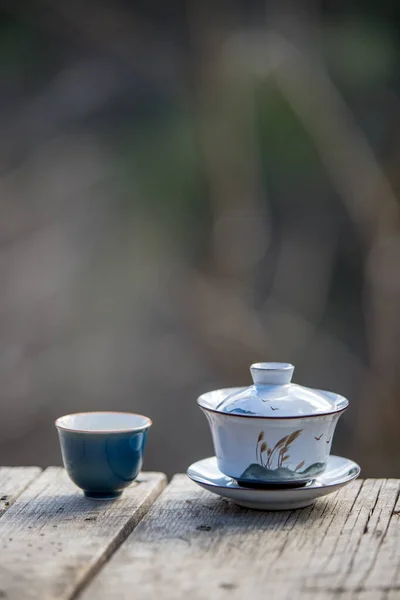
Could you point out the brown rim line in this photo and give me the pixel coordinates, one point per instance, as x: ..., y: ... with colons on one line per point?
x: 108, y: 431
x: 226, y: 414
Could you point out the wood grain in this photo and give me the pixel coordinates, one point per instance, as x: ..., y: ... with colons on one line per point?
x: 192, y: 544
x: 13, y: 481
x: 53, y: 539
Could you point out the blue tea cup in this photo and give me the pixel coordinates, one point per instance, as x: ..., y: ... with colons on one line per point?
x: 103, y: 451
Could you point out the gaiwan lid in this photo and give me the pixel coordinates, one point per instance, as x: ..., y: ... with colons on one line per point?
x: 273, y: 395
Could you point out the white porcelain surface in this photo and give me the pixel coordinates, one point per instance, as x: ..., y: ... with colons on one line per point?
x: 339, y: 472
x: 273, y: 431
x: 103, y: 421
x: 271, y: 450
x: 273, y: 395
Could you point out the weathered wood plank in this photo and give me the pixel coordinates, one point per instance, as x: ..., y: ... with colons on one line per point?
x: 53, y: 539
x: 193, y: 544
x: 13, y: 481
x: 385, y: 568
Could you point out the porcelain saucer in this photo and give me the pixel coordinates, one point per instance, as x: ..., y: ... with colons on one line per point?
x: 339, y: 472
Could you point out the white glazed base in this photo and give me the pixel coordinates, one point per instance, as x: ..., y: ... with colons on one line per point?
x: 339, y: 472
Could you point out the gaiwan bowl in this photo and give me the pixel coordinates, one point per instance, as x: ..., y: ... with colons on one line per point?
x: 103, y: 451
x: 273, y: 432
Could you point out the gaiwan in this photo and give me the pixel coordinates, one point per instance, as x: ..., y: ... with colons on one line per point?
x: 273, y: 432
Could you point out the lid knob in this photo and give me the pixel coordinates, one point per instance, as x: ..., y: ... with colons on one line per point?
x: 271, y: 373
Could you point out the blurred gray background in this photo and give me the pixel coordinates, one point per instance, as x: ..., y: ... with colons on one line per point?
x: 189, y: 187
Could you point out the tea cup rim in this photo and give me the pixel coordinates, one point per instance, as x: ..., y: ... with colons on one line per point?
x: 147, y: 423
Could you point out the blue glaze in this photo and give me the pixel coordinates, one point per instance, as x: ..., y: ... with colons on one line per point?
x: 102, y: 464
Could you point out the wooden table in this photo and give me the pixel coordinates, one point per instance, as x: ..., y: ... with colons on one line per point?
x: 179, y: 541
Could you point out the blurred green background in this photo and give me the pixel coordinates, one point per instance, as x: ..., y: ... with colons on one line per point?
x: 189, y: 187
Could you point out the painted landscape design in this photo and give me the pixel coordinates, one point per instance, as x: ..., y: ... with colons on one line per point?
x: 271, y: 461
